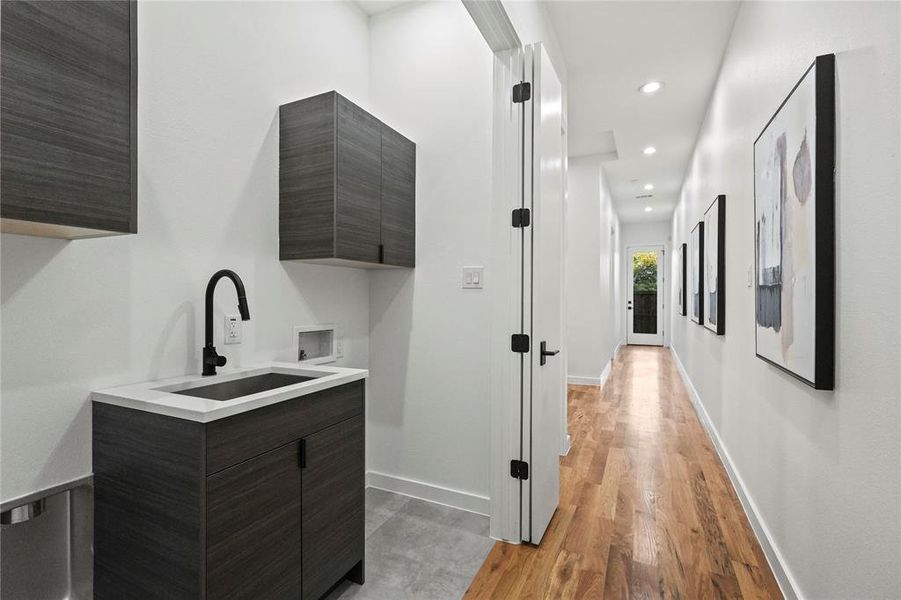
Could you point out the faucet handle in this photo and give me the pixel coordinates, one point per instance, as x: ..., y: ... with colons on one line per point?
x: 211, y: 360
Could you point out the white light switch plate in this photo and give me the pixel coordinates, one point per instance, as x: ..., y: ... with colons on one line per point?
x: 232, y: 329
x: 473, y: 278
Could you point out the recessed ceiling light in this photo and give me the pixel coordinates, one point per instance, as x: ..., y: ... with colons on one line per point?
x: 650, y: 150
x: 651, y: 87
x: 648, y: 209
x: 649, y: 186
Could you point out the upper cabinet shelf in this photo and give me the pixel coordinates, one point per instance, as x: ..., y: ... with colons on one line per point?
x: 347, y: 186
x: 68, y: 147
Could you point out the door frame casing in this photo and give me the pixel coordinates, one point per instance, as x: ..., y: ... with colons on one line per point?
x: 661, y: 296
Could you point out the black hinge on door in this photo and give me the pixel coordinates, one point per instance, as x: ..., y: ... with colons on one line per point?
x: 522, y: 92
x: 519, y: 469
x: 519, y: 342
x: 522, y: 217
x: 381, y: 253
x: 302, y: 458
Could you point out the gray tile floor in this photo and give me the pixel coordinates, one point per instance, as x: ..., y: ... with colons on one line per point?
x: 418, y: 550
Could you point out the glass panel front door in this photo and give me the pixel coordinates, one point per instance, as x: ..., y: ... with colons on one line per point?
x: 644, y: 292
x: 644, y: 304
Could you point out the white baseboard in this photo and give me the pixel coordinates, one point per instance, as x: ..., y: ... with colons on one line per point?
x: 605, y: 374
x: 429, y: 492
x: 780, y: 569
x: 582, y: 380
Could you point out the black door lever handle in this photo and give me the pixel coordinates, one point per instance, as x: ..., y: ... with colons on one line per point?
x: 545, y: 353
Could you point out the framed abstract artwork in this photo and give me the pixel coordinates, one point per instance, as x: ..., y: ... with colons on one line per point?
x: 697, y: 270
x: 714, y: 308
x: 681, y: 264
x: 794, y: 231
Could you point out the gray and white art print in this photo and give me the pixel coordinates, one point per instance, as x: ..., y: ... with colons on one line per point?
x: 714, y: 266
x: 695, y: 268
x: 681, y: 262
x: 785, y: 233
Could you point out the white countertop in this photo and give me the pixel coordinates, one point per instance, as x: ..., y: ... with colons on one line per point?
x: 159, y: 397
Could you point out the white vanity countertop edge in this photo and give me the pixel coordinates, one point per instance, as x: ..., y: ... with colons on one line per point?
x: 149, y: 397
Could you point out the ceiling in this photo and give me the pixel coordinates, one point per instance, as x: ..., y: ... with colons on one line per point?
x: 374, y: 7
x: 612, y: 48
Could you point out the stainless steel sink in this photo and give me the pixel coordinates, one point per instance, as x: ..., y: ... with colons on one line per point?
x: 244, y: 386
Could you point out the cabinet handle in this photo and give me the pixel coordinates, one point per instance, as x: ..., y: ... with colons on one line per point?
x: 303, y: 454
x: 381, y: 253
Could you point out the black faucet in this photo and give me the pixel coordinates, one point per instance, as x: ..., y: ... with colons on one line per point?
x: 211, y: 358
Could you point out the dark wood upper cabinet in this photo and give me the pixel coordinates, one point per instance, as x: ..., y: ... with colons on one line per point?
x: 398, y: 199
x: 347, y: 186
x: 68, y: 146
x: 357, y: 178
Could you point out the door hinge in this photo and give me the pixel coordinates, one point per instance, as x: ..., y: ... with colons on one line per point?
x: 522, y: 92
x: 519, y: 342
x: 522, y: 217
x: 302, y: 455
x: 519, y: 469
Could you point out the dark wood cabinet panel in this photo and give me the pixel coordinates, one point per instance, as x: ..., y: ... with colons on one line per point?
x: 306, y: 218
x: 233, y: 439
x: 347, y: 186
x: 253, y: 528
x: 68, y: 97
x: 148, y: 505
x: 357, y: 184
x: 398, y: 199
x: 333, y: 502
x: 225, y: 509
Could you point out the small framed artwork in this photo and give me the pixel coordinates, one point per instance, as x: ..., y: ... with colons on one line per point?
x: 794, y: 231
x: 697, y: 269
x: 681, y: 264
x: 715, y: 266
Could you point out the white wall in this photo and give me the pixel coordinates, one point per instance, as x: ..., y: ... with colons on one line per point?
x: 822, y: 469
x: 87, y: 314
x: 643, y: 234
x: 592, y: 251
x: 532, y: 24
x: 431, y: 79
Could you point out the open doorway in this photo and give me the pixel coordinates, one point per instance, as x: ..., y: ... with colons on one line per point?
x: 644, y: 296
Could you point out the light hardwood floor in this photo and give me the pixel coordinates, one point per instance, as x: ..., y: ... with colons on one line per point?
x: 646, y: 508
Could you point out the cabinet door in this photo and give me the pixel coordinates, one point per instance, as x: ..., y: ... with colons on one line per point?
x: 306, y: 178
x: 357, y: 183
x: 398, y: 199
x: 253, y: 528
x: 67, y: 100
x: 333, y: 503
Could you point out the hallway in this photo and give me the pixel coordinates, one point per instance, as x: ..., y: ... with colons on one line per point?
x: 646, y: 508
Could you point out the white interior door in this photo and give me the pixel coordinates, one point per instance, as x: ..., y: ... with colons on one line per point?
x: 644, y: 296
x: 545, y: 396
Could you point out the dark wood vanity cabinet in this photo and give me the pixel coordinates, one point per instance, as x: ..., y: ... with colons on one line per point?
x: 347, y: 186
x: 333, y: 506
x: 68, y: 97
x: 263, y: 504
